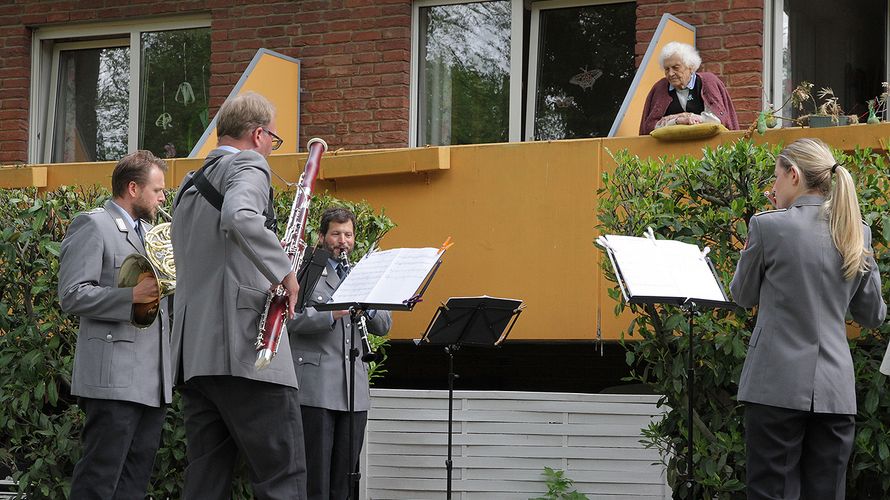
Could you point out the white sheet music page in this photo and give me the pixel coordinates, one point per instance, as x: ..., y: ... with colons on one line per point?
x: 387, y: 277
x: 664, y: 268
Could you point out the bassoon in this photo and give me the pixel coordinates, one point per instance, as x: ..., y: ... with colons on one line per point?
x: 274, y: 315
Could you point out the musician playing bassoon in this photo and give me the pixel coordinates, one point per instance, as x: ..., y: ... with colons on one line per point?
x: 227, y: 258
x: 122, y: 376
x: 320, y: 341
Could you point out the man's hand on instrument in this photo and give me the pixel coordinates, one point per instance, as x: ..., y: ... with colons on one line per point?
x: 147, y: 290
x: 293, y: 290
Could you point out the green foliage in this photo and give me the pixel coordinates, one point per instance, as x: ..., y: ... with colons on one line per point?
x: 558, y: 486
x: 40, y: 422
x: 708, y: 202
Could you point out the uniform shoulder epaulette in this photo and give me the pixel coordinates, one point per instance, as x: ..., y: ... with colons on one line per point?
x: 773, y: 211
x: 97, y: 210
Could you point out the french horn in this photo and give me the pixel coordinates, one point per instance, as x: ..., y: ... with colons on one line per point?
x: 157, y: 262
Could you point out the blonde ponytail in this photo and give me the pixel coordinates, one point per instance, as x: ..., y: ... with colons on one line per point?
x: 817, y: 165
x: 845, y: 220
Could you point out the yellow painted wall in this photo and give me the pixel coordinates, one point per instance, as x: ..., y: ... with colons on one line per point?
x: 278, y: 79
x: 522, y: 215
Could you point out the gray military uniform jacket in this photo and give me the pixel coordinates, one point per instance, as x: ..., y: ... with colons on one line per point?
x: 113, y: 359
x: 226, y: 262
x: 320, y: 350
x: 798, y: 356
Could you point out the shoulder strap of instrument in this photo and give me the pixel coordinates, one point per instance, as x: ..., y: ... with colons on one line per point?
x: 215, y: 198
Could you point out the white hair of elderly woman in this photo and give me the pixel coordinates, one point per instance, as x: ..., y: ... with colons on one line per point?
x: 684, y: 51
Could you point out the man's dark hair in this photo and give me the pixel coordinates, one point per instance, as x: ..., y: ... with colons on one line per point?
x: 335, y: 214
x: 134, y: 167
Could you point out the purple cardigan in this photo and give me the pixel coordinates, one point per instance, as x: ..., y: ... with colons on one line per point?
x: 713, y: 92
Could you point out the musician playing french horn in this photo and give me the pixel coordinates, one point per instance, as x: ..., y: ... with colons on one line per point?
x: 228, y: 257
x: 320, y: 341
x: 122, y: 374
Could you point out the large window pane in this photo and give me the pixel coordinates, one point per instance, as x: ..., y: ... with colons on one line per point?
x: 173, y: 106
x: 464, y: 73
x: 585, y: 66
x: 839, y: 48
x: 92, y: 105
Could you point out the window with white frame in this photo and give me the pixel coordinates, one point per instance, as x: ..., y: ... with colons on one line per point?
x: 100, y: 91
x: 499, y: 70
x: 829, y: 44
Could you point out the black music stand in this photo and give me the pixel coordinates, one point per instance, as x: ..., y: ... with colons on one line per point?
x: 473, y: 321
x: 314, y: 261
x: 692, y: 299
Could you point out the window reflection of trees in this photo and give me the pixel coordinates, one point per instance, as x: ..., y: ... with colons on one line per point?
x: 112, y: 104
x: 175, y: 67
x: 93, y: 95
x: 466, y: 64
x: 585, y: 66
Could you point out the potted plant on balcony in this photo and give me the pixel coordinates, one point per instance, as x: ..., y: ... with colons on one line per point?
x: 827, y: 114
x: 877, y: 107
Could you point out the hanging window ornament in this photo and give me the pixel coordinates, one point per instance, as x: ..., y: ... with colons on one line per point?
x: 184, y: 93
x: 586, y: 78
x: 164, y: 120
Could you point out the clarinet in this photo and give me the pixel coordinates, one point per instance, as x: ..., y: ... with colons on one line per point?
x: 370, y: 356
x: 272, y: 321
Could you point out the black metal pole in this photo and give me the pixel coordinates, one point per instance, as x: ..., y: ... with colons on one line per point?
x: 690, y: 377
x: 355, y: 475
x: 451, y: 376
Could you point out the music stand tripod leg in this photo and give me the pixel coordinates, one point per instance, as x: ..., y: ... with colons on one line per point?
x: 451, y: 376
x: 355, y: 475
x: 691, y: 311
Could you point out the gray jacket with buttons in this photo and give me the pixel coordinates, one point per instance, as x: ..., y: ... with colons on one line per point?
x: 113, y: 359
x: 321, y: 354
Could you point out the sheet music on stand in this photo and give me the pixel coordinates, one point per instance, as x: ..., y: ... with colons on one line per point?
x: 389, y: 280
x: 654, y: 271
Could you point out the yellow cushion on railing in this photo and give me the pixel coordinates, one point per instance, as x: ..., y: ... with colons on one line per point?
x: 688, y: 132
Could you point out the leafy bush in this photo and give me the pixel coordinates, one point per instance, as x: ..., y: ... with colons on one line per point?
x: 40, y: 422
x: 558, y: 486
x: 708, y: 202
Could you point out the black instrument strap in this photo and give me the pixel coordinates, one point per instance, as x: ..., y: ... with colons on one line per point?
x: 215, y: 198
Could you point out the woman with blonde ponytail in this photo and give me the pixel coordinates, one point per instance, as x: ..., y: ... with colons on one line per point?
x: 805, y: 265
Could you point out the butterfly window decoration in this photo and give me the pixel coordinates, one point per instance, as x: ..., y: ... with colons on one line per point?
x: 586, y: 78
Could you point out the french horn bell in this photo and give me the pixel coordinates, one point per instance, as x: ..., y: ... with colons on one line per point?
x: 158, y: 263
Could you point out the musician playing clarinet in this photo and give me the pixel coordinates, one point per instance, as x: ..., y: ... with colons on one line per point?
x: 320, y: 341
x: 227, y: 258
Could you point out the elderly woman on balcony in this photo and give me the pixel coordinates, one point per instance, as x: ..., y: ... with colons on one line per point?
x: 685, y: 96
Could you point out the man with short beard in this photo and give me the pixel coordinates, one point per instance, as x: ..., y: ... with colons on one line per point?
x: 320, y: 343
x: 122, y: 376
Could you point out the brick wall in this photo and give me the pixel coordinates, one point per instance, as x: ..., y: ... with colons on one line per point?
x: 729, y: 37
x: 355, y: 55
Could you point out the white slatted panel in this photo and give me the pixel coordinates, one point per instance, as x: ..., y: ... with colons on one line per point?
x: 503, y: 441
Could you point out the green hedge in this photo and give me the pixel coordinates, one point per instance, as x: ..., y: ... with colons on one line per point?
x: 708, y: 201
x: 39, y: 421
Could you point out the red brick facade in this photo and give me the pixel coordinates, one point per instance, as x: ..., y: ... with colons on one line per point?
x: 355, y: 55
x: 729, y: 37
